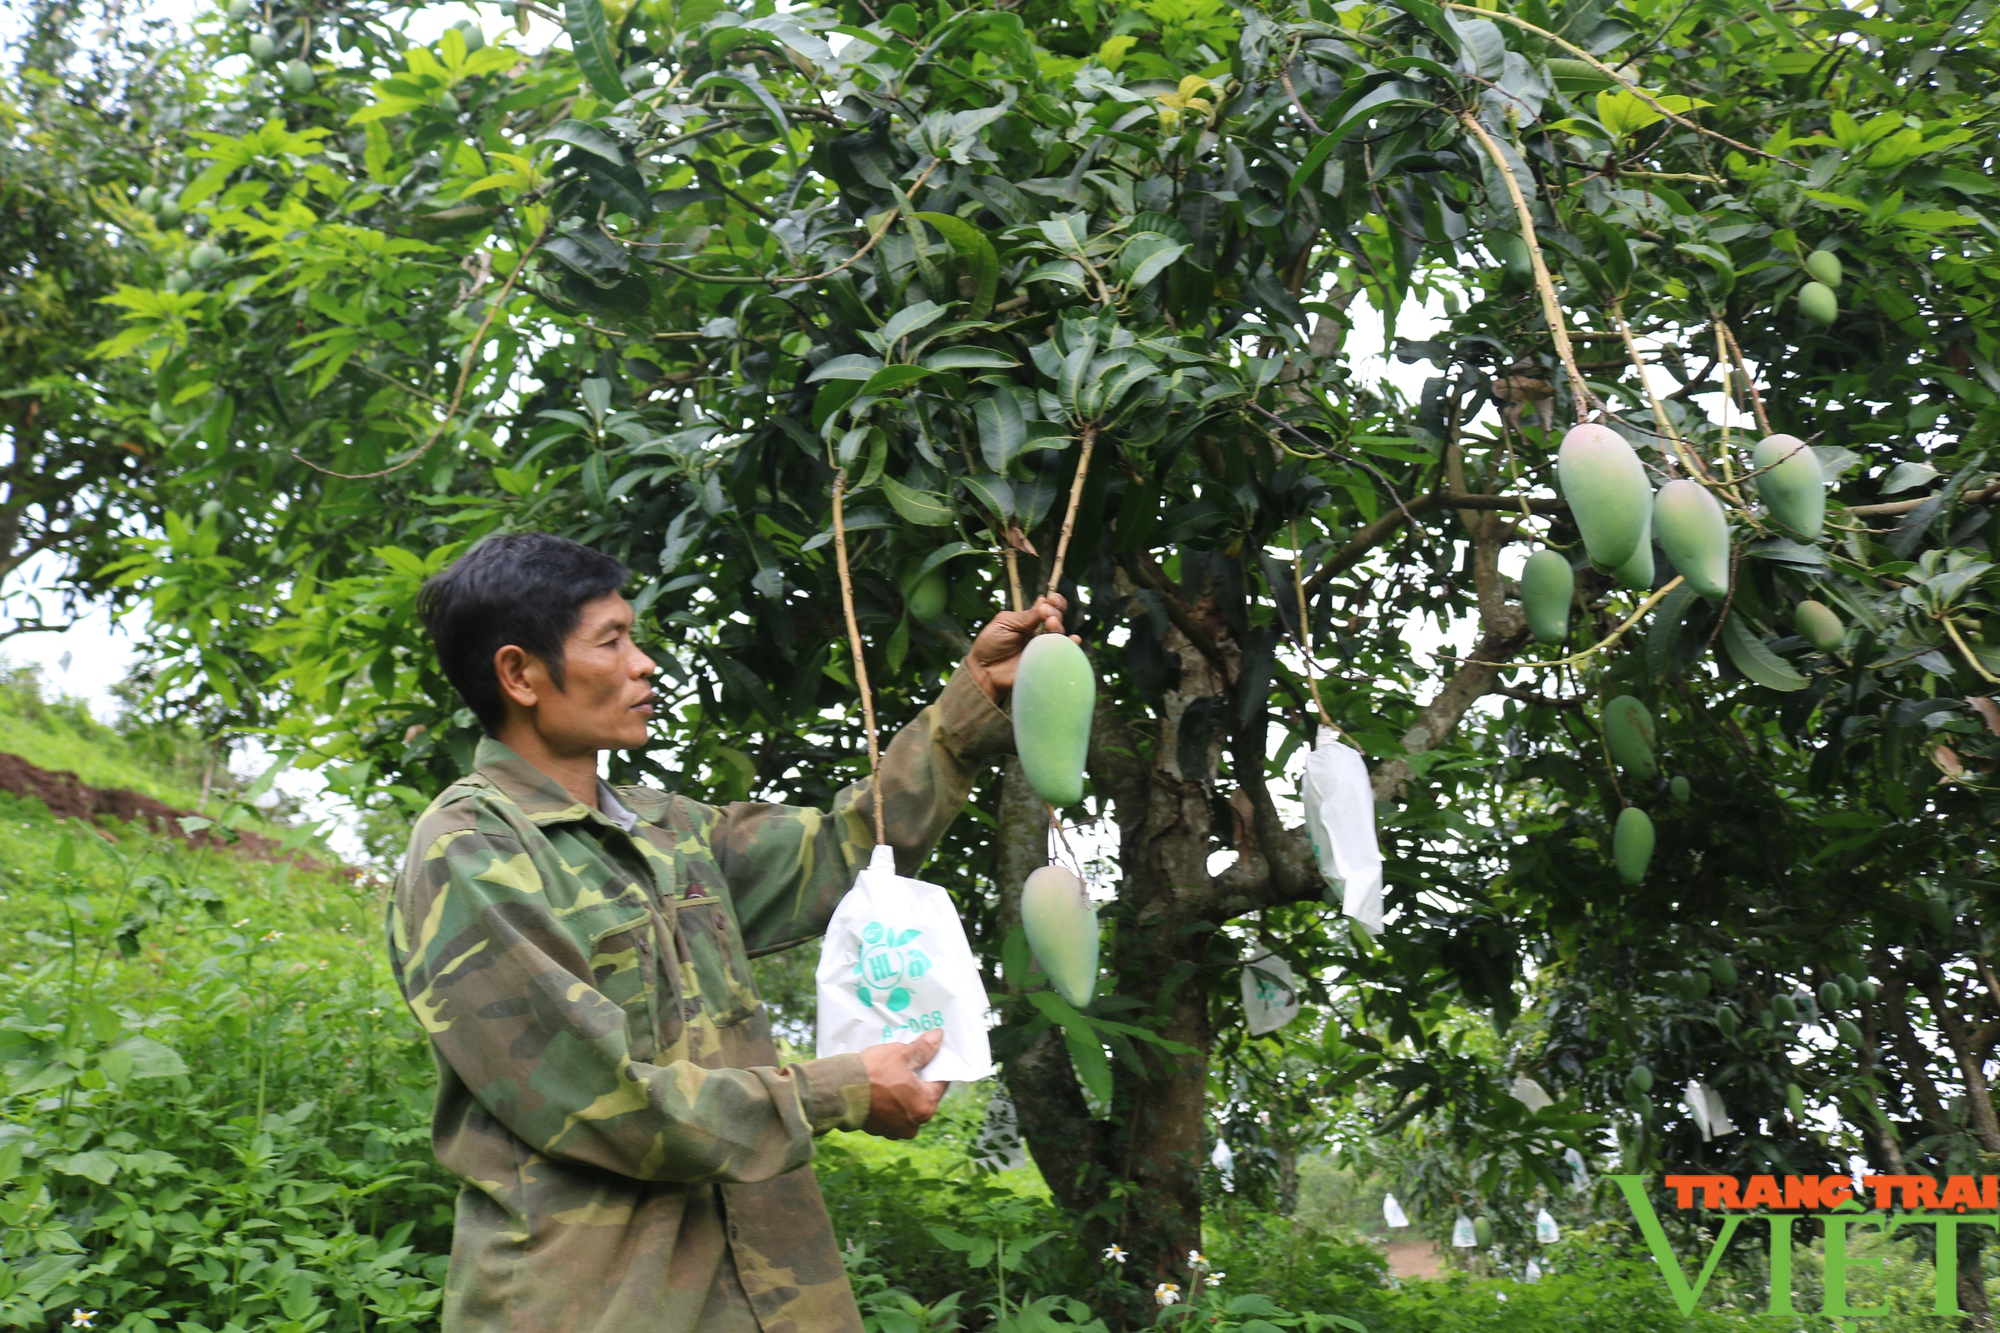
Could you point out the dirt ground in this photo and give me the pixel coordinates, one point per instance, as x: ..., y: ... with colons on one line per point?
x: 1414, y: 1258
x: 70, y: 798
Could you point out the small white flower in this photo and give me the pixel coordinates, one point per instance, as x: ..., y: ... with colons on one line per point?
x: 238, y: 925
x: 322, y: 964
x: 1215, y: 1279
x: 272, y: 936
x: 375, y: 1013
x: 80, y: 1318
x: 1115, y: 1254
x: 1167, y: 1293
x: 1195, y: 1259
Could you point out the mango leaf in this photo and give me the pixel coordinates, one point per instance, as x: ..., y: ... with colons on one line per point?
x: 992, y: 494
x: 579, y: 134
x: 920, y: 507
x: 950, y: 550
x: 1093, y: 1068
x: 1146, y: 256
x: 1365, y: 95
x: 982, y: 262
x: 893, y: 377
x: 1755, y: 659
x: 853, y: 366
x: 1002, y: 432
x: 969, y: 358
x: 590, y: 36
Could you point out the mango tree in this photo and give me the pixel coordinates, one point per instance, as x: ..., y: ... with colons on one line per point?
x: 1079, y: 279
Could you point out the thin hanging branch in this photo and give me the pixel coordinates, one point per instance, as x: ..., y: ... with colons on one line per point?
x: 854, y: 645
x: 1660, y: 417
x: 1736, y: 354
x: 1089, y: 437
x: 1616, y: 634
x: 464, y: 378
x: 1551, y: 307
x: 1305, y: 629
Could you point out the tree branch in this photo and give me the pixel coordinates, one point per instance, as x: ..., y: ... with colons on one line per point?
x: 1374, y: 534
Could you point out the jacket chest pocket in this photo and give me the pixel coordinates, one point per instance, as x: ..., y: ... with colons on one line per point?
x: 624, y: 971
x: 715, y: 970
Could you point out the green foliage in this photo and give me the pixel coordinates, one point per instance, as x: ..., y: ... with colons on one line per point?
x: 658, y: 286
x: 214, y: 1108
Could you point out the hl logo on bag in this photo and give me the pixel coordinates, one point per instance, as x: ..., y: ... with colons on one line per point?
x: 888, y: 960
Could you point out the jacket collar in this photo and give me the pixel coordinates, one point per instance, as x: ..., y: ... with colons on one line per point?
x: 544, y: 800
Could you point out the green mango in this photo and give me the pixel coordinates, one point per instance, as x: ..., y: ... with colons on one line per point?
x: 299, y: 76
x: 1638, y: 571
x: 1825, y: 266
x: 1632, y: 844
x: 149, y: 199
x: 1849, y: 987
x: 262, y: 48
x: 1723, y: 971
x: 1727, y: 1022
x: 474, y: 38
x: 1795, y: 1099
x: 1695, y: 533
x: 204, y: 257
x: 179, y: 281
x: 926, y: 600
x: 1866, y: 992
x: 1644, y: 1106
x: 1061, y: 924
x: 1482, y: 1231
x: 1628, y: 734
x: 169, y: 216
x: 1681, y: 789
x: 1055, y: 693
x: 1818, y: 304
x: 1606, y: 488
x: 239, y: 9
x: 1791, y: 483
x: 1830, y: 996
x: 1819, y: 626
x: 1641, y: 1078
x: 1548, y: 586
x: 1850, y: 1035
x: 1786, y: 1008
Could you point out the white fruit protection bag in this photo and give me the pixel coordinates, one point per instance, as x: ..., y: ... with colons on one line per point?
x: 1340, y: 819
x: 895, y: 965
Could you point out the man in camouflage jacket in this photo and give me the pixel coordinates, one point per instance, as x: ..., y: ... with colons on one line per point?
x: 634, y: 1155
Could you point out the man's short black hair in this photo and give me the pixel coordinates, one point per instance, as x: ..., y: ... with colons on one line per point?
x: 527, y: 589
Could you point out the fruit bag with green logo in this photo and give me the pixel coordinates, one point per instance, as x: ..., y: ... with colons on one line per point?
x: 895, y: 965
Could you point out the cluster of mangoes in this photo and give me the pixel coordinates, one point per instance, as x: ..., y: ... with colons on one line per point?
x: 263, y: 49
x: 1817, y: 301
x: 1620, y: 515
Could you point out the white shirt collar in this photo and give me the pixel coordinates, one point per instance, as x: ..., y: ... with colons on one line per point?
x: 612, y: 809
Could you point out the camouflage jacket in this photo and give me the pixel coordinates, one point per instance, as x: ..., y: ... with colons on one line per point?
x: 633, y: 1153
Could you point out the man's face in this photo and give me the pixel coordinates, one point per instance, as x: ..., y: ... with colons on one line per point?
x: 607, y: 694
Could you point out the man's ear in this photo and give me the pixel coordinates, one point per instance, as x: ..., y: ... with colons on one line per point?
x: 521, y: 674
